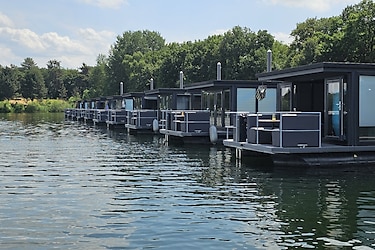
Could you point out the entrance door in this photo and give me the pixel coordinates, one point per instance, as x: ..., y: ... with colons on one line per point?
x: 335, y: 114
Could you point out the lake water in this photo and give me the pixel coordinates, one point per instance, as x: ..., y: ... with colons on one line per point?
x: 67, y: 185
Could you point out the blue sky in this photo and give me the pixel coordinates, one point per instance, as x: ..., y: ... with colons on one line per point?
x: 77, y: 31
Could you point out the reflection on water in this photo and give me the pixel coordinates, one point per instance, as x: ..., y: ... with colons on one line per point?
x: 68, y: 185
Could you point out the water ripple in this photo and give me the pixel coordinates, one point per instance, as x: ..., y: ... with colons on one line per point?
x: 68, y: 185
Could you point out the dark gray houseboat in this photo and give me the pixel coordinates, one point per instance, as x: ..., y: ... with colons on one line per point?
x: 148, y: 113
x: 140, y: 112
x: 207, y: 117
x: 100, y: 111
x: 116, y: 112
x: 325, y: 117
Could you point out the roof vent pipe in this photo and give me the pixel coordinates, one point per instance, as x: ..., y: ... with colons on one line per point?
x: 152, y: 83
x: 181, y: 80
x: 269, y: 60
x: 218, y: 71
x: 121, y: 88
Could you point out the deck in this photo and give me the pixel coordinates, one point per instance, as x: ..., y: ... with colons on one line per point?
x: 269, y: 149
x: 292, y: 139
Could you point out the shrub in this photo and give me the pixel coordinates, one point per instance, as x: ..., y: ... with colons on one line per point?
x: 32, y: 107
x: 5, y: 107
x: 18, y: 107
x: 55, y: 106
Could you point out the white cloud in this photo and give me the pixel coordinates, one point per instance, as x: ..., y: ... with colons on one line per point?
x: 23, y: 37
x: 219, y: 32
x: 22, y: 43
x: 5, y: 21
x: 316, y: 5
x: 7, y: 56
x: 283, y: 37
x: 90, y: 34
x: 99, y: 42
x: 113, y: 4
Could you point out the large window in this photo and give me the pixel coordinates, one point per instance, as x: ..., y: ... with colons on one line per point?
x: 246, y: 99
x: 268, y: 104
x: 366, y: 107
x: 182, y: 102
x: 128, y: 104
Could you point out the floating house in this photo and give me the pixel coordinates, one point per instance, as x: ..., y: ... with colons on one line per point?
x: 212, y: 105
x: 87, y: 110
x: 116, y: 112
x: 100, y: 111
x: 140, y: 112
x: 148, y: 114
x: 324, y: 117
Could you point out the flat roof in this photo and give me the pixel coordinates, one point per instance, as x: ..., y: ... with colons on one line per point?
x: 315, y: 71
x: 222, y: 84
x: 164, y: 91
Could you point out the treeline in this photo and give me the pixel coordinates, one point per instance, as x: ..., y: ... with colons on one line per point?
x: 138, y: 56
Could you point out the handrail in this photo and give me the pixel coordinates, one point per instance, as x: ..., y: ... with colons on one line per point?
x: 276, y: 118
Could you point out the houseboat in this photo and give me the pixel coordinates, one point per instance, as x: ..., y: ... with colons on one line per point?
x: 140, y: 112
x: 100, y: 111
x: 181, y: 118
x: 324, y: 117
x: 116, y: 112
x: 212, y: 106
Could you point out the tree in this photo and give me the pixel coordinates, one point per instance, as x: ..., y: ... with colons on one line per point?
x: 54, y: 80
x: 9, y: 82
x: 358, y: 32
x: 98, y: 78
x: 243, y: 52
x: 32, y: 82
x: 70, y: 78
x: 126, y: 45
x: 347, y: 37
x: 279, y: 55
x: 316, y: 40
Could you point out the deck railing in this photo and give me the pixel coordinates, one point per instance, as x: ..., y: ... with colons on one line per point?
x: 142, y: 118
x: 187, y: 121
x: 279, y: 129
x: 117, y: 116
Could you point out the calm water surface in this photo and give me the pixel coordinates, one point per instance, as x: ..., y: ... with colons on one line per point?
x: 67, y: 185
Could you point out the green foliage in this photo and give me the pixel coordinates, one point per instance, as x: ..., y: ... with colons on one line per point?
x: 348, y: 37
x: 5, y: 107
x: 44, y: 105
x: 33, y: 107
x: 9, y: 82
x: 55, y: 105
x: 126, y: 46
x: 137, y: 56
x: 32, y: 83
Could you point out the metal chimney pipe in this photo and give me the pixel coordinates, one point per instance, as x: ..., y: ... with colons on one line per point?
x: 121, y: 88
x: 152, y: 83
x: 269, y: 60
x: 218, y: 71
x: 181, y: 80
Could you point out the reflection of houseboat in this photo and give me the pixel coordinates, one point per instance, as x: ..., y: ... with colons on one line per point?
x: 324, y: 117
x: 207, y: 118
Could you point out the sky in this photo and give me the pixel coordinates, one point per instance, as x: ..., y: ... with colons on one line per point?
x: 74, y: 32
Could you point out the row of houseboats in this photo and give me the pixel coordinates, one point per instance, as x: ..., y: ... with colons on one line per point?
x: 317, y: 115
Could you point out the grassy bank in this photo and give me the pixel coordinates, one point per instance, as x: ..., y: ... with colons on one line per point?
x: 34, y: 106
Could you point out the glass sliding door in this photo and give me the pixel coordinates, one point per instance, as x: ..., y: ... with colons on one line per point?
x: 366, y: 107
x: 335, y: 115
